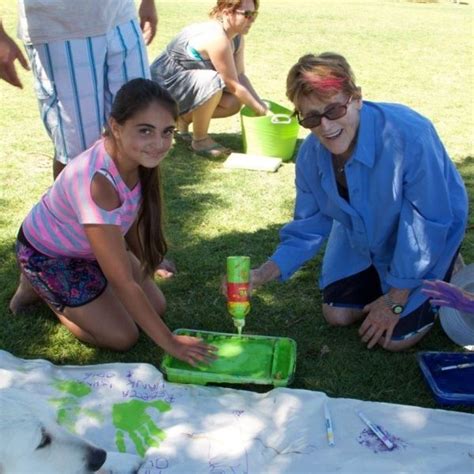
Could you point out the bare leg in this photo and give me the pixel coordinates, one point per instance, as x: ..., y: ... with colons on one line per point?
x: 202, y: 118
x: 24, y: 297
x: 229, y: 105
x: 397, y: 346
x: 336, y: 316
x: 345, y: 316
x: 104, y: 322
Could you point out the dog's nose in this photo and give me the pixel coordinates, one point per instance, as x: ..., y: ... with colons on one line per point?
x: 95, y: 459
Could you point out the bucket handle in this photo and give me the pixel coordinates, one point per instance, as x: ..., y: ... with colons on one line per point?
x: 281, y: 119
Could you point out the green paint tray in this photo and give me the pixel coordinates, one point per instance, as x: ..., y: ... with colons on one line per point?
x: 242, y: 359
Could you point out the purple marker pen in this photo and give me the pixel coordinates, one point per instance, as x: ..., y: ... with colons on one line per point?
x: 377, y: 432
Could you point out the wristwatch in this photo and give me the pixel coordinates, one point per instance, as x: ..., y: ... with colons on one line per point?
x: 396, y: 308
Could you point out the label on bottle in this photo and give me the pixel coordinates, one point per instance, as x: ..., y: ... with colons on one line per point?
x: 237, y: 292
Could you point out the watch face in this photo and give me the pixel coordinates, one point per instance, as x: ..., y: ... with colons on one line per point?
x: 397, y: 309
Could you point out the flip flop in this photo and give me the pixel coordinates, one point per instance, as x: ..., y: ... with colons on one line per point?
x: 213, y: 151
x: 183, y: 137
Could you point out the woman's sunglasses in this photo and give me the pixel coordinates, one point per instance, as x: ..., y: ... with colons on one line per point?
x: 248, y: 14
x: 333, y: 113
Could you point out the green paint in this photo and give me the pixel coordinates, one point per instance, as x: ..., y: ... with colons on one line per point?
x: 68, y: 407
x: 237, y: 355
x: 73, y: 387
x: 132, y: 418
x: 241, y: 359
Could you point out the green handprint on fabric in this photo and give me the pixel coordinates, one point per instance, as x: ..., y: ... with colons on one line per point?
x: 68, y: 407
x: 131, y: 417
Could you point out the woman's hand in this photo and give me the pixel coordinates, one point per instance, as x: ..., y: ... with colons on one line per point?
x: 192, y: 350
x: 148, y: 20
x: 446, y: 294
x: 379, y: 323
x: 258, y: 276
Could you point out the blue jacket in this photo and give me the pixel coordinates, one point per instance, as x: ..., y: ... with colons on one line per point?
x: 408, y: 205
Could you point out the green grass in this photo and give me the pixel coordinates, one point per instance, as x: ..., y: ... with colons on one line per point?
x: 417, y: 54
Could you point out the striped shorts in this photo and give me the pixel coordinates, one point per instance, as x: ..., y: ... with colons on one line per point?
x: 76, y: 81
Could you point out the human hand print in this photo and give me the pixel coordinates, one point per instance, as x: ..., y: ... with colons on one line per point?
x: 68, y: 407
x: 132, y: 418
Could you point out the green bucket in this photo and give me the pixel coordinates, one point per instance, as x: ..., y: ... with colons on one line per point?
x: 269, y: 135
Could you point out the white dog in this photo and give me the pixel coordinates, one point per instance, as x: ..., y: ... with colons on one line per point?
x: 31, y: 441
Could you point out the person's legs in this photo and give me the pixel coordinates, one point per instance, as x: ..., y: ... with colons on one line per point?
x: 67, y: 80
x: 202, y: 117
x: 74, y: 78
x: 337, y: 316
x: 344, y: 299
x: 228, y: 105
x: 24, y: 297
x: 104, y: 322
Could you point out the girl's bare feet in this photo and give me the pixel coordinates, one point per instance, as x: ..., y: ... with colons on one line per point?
x: 24, y: 297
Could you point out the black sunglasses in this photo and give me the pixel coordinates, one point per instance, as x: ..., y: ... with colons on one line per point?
x: 333, y: 113
x: 248, y: 14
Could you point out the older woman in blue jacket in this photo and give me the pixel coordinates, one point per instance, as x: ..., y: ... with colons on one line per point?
x: 374, y: 181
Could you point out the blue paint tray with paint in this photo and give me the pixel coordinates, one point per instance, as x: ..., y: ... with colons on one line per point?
x: 450, y: 376
x: 242, y: 359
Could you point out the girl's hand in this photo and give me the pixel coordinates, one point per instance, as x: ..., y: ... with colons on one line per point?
x: 446, y: 294
x: 192, y: 350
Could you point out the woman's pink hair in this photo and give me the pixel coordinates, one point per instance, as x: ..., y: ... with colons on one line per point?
x: 322, y: 76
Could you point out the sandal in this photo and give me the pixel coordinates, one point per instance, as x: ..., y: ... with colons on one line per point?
x: 183, y: 137
x: 213, y: 151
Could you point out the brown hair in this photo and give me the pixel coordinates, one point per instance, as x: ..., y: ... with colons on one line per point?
x: 131, y: 98
x: 232, y: 5
x: 323, y: 76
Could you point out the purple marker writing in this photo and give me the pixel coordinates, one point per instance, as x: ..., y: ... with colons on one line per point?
x: 377, y: 432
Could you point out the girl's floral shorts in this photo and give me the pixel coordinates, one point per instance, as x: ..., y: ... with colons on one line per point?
x: 60, y: 281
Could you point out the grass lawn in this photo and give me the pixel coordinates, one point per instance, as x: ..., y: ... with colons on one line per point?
x: 416, y: 54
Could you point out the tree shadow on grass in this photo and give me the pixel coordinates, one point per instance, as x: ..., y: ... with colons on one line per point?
x: 329, y: 359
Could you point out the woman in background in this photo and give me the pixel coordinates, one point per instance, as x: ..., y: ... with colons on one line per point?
x: 203, y: 70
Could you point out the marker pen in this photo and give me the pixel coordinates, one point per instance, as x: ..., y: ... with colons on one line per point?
x: 380, y: 434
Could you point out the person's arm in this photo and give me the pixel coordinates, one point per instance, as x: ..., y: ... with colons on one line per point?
x: 240, y: 67
x: 9, y: 53
x: 447, y: 294
x: 302, y: 237
x: 425, y: 219
x: 109, y: 248
x: 427, y: 211
x: 166, y: 269
x: 220, y: 53
x: 148, y: 20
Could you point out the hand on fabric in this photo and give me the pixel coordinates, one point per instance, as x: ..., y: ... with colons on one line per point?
x: 192, y: 350
x: 9, y: 53
x: 379, y: 322
x: 166, y: 269
x: 148, y: 20
x: 446, y: 294
x: 131, y: 418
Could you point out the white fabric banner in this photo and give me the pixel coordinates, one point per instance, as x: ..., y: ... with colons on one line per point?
x: 192, y: 429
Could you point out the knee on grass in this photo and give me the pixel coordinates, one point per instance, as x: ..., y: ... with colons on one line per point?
x: 120, y: 341
x: 336, y: 316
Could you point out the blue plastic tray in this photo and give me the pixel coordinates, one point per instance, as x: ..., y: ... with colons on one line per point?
x: 450, y: 387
